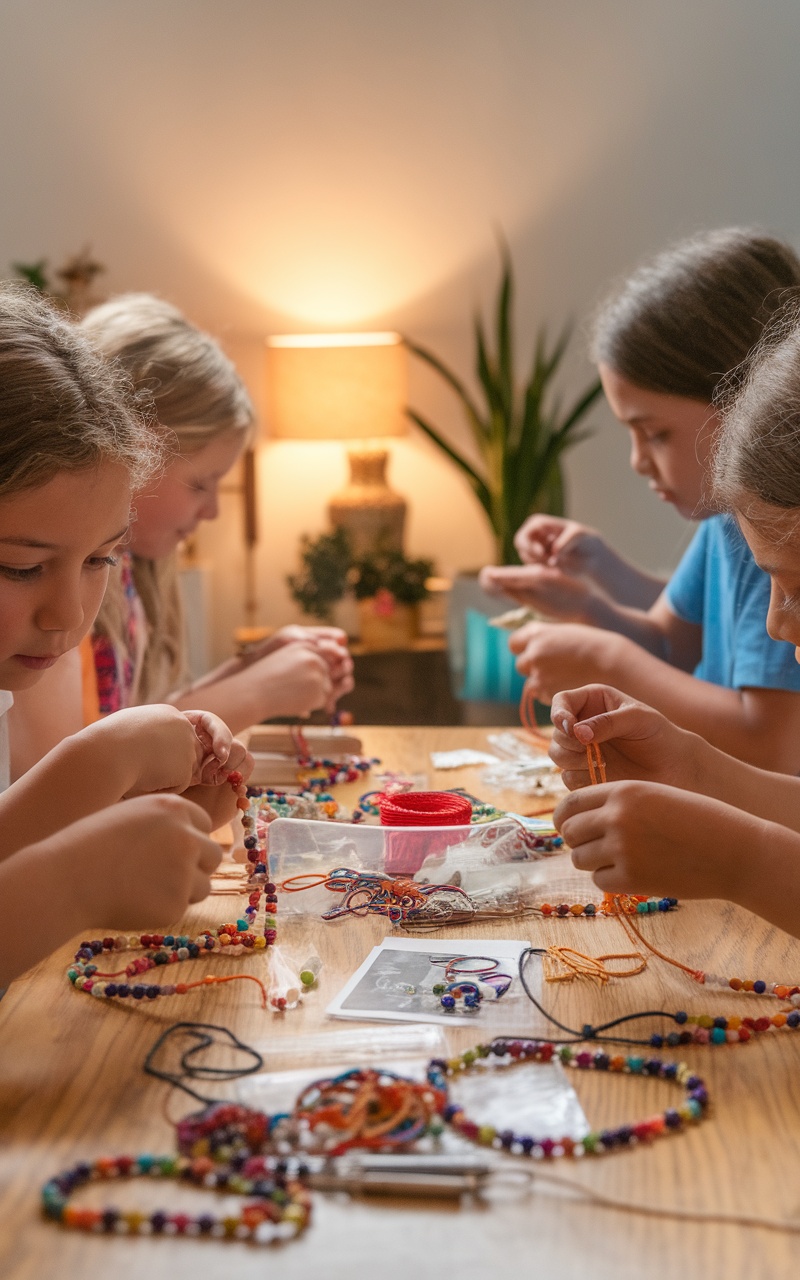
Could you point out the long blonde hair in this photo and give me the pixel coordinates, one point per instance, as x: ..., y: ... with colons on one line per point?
x: 198, y: 395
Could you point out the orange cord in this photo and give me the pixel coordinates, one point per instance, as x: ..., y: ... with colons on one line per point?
x: 634, y: 934
x: 577, y: 965
x: 210, y: 980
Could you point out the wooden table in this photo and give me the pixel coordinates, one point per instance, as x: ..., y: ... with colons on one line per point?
x: 72, y: 1087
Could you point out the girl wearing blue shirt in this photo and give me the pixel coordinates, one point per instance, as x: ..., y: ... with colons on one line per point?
x: 696, y: 648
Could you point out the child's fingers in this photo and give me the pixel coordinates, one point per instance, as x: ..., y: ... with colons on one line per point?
x: 200, y: 887
x: 593, y: 856
x: 580, y: 802
x: 628, y: 723
x: 584, y: 829
x: 212, y: 732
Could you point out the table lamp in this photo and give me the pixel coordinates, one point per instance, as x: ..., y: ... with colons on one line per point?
x: 345, y: 386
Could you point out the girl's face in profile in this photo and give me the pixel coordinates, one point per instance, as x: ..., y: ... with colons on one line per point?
x: 185, y: 494
x: 773, y: 535
x: 57, y: 543
x: 671, y: 439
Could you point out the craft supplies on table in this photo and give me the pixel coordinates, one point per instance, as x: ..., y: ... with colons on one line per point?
x: 404, y: 980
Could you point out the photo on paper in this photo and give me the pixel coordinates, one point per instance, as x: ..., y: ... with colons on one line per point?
x: 396, y: 981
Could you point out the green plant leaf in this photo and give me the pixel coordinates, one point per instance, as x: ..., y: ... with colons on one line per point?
x: 477, y: 424
x: 505, y: 356
x: 479, y: 485
x: 582, y: 405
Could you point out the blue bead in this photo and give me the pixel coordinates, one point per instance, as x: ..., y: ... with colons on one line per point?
x: 721, y: 1022
x: 759, y: 987
x: 793, y: 1019
x: 681, y: 1016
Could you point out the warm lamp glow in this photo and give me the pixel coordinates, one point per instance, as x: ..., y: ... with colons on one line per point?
x: 337, y: 386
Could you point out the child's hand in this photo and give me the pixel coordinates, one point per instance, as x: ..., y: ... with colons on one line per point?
x: 549, y: 589
x: 555, y: 657
x: 295, y: 680
x: 154, y: 748
x: 142, y: 862
x: 217, y: 751
x: 639, y: 837
x: 636, y: 741
x: 563, y: 544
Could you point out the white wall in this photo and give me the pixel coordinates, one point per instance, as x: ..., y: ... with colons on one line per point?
x: 274, y: 165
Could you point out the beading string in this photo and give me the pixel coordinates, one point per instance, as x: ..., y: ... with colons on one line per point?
x: 188, y: 1066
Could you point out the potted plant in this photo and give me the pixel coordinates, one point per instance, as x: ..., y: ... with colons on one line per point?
x: 520, y: 430
x: 387, y: 585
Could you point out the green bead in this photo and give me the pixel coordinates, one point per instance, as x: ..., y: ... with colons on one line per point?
x: 438, y: 988
x: 591, y: 1141
x: 469, y: 1056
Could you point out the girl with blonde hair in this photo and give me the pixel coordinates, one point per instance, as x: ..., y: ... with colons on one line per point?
x: 204, y: 417
x: 73, y: 447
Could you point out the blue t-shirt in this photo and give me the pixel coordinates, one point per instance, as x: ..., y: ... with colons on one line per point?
x: 719, y: 586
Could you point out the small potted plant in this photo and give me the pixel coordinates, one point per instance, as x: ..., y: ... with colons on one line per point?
x: 386, y: 584
x: 389, y: 587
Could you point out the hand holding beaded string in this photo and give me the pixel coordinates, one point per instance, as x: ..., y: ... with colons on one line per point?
x: 169, y: 949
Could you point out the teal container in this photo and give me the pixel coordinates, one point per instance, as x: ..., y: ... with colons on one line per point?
x: 489, y: 671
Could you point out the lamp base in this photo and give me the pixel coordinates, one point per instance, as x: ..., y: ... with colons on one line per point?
x: 371, y: 513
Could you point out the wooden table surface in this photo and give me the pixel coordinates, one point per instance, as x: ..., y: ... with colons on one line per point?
x: 72, y: 1087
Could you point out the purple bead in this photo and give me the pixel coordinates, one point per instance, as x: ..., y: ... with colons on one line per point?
x: 527, y: 1145
x: 123, y: 990
x: 601, y: 1061
x: 158, y: 1221
x: 793, y: 1018
x: 672, y: 1119
x: 507, y: 1139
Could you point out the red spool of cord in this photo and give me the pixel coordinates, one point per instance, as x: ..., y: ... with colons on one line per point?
x: 424, y: 809
x: 405, y: 854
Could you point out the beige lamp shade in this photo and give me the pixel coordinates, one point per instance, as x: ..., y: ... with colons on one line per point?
x: 338, y: 386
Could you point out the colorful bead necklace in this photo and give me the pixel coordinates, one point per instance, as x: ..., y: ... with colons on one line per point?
x: 699, y: 1028
x: 601, y: 1142
x: 778, y: 990
x: 280, y: 1211
x: 162, y: 950
x: 320, y: 774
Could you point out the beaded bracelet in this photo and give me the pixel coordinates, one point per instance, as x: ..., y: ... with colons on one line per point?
x: 281, y: 1211
x: 511, y: 1052
x: 168, y: 949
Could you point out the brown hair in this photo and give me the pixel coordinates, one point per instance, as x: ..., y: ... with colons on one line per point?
x: 685, y: 319
x: 198, y: 395
x: 61, y: 407
x: 757, y: 452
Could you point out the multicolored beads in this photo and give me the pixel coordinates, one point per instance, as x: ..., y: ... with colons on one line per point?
x: 162, y: 950
x: 600, y: 1142
x: 281, y: 1210
x: 631, y: 904
x: 707, y: 1029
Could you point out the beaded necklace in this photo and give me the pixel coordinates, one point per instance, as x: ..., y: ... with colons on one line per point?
x: 231, y: 1148
x: 510, y: 1052
x: 235, y: 939
x: 698, y: 1028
